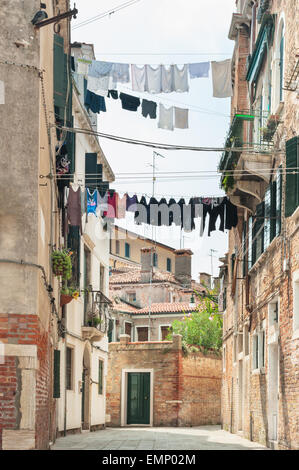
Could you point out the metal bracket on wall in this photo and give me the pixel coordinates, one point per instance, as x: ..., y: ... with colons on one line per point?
x: 56, y: 19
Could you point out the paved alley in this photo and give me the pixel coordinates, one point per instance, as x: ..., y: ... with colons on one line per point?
x: 197, y: 438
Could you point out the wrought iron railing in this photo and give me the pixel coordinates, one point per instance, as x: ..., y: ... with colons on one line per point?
x: 97, y: 312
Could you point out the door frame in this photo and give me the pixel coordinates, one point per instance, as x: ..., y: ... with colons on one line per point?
x: 124, y: 396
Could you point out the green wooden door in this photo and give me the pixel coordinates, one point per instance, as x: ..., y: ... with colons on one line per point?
x: 138, y: 398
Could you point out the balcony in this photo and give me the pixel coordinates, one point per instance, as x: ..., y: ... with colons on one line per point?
x: 246, y: 170
x: 96, y: 316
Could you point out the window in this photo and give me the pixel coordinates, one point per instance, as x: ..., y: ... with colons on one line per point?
x: 127, y: 250
x: 240, y: 342
x: 102, y: 278
x: 235, y: 347
x: 246, y: 340
x: 69, y: 368
x: 281, y: 65
x: 164, y: 332
x: 292, y: 181
x: 273, y: 313
x: 224, y: 358
x: 155, y: 259
x: 132, y: 297
x: 258, y: 349
x: 255, y: 351
x: 296, y: 300
x: 117, y: 247
x: 168, y: 265
x: 101, y: 376
x: 56, y: 373
x: 142, y: 333
x: 128, y: 329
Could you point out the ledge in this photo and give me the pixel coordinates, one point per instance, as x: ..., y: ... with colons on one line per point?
x: 91, y: 333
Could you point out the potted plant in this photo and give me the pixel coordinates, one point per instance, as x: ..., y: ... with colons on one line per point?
x: 67, y: 294
x: 62, y: 264
x: 94, y: 321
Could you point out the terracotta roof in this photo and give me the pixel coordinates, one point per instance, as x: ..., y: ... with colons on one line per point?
x: 123, y: 307
x: 168, y: 307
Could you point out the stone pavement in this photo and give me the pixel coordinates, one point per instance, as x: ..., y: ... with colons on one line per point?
x: 197, y: 438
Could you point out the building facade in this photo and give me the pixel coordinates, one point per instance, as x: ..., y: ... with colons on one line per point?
x: 155, y: 384
x: 259, y: 275
x: 125, y: 251
x: 53, y: 356
x: 146, y: 300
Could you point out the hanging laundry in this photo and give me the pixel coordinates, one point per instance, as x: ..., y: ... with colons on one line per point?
x: 120, y: 73
x: 141, y: 212
x: 96, y: 103
x: 167, y: 83
x: 74, y: 207
x: 181, y: 118
x: 165, y: 117
x: 91, y: 201
x: 102, y: 206
x: 128, y: 102
x: 112, y: 205
x: 138, y: 77
x: 180, y: 79
x: 121, y: 207
x: 217, y: 211
x: 163, y: 213
x: 82, y: 66
x: 222, y: 80
x: 174, y: 212
x: 99, y: 77
x: 113, y: 94
x: 200, y: 70
x: 231, y: 215
x: 131, y: 203
x: 153, y: 81
x: 152, y: 212
x: 149, y: 108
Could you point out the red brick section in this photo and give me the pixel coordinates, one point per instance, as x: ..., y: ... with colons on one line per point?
x: 25, y: 329
x: 192, y: 382
x: 8, y: 385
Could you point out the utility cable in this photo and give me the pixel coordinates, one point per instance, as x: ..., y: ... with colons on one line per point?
x: 167, y: 146
x: 104, y: 14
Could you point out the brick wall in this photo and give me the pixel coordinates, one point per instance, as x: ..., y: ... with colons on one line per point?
x: 186, y: 388
x: 23, y: 330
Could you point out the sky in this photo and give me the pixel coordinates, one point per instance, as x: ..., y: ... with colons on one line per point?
x: 165, y: 32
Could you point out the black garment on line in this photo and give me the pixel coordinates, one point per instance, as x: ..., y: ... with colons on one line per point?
x: 113, y: 94
x: 128, y: 102
x: 161, y: 222
x: 231, y: 218
x: 152, y: 212
x: 217, y: 211
x: 141, y: 216
x: 173, y: 215
x: 95, y: 103
x: 149, y: 108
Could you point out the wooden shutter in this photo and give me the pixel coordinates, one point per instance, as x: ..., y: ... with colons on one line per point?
x: 128, y: 329
x: 101, y: 377
x: 267, y: 211
x: 273, y: 220
x: 60, y: 77
x: 74, y: 245
x: 260, y: 212
x: 91, y: 170
x: 244, y: 247
x: 142, y: 333
x: 56, y: 374
x: 250, y: 232
x: 292, y: 180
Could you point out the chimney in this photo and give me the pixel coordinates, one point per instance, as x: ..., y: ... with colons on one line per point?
x: 205, y: 280
x: 146, y: 264
x: 183, y: 267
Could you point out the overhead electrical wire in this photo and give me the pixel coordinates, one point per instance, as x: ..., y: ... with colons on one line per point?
x: 104, y: 14
x: 168, y: 146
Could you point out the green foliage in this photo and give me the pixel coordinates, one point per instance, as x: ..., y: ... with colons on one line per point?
x: 200, y: 330
x: 62, y: 263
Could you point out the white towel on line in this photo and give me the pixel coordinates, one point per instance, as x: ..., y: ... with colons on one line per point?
x: 222, y: 79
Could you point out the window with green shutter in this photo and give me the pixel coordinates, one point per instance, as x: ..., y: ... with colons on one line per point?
x: 267, y: 222
x: 74, y: 245
x: 127, y: 250
x: 250, y: 263
x: 101, y: 370
x: 168, y: 265
x: 273, y: 220
x: 292, y: 177
x: 56, y: 374
x: 93, y: 172
x: 244, y: 247
x: 259, y: 230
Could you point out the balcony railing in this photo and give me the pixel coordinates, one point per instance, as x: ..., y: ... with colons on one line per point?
x: 97, y: 310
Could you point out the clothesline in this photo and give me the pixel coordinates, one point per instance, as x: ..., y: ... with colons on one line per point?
x: 108, y: 204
